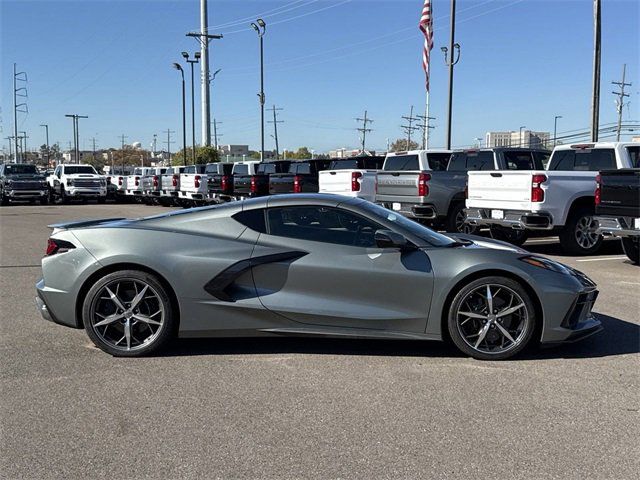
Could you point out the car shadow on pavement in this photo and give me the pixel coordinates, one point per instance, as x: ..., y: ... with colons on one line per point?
x: 618, y: 338
x: 609, y: 247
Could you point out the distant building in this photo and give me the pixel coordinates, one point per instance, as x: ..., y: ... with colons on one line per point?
x: 70, y: 156
x: 526, y: 139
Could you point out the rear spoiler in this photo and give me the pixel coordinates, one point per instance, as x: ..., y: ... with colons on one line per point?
x: 58, y: 227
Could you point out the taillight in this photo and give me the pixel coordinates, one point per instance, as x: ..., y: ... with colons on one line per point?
x: 120, y: 181
x: 224, y: 183
x: 297, y: 184
x: 155, y: 181
x: 355, y: 181
x: 175, y: 180
x: 196, y: 181
x: 137, y: 181
x: 254, y: 185
x: 57, y: 246
x: 537, y: 193
x: 598, y: 192
x: 423, y: 187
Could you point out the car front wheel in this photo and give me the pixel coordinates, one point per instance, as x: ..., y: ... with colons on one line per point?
x: 491, y: 318
x: 631, y: 247
x: 128, y: 314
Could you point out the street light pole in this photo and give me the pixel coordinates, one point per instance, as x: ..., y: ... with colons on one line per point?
x: 193, y: 108
x: 521, y: 141
x: 555, y: 128
x: 177, y: 66
x: 261, y: 28
x: 450, y: 62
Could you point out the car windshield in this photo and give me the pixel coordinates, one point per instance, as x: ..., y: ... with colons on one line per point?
x: 20, y: 169
x: 72, y: 170
x: 429, y: 236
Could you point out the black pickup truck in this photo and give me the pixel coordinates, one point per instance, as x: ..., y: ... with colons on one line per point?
x: 219, y: 180
x: 617, y: 200
x: 302, y: 177
x: 257, y: 185
x: 22, y: 182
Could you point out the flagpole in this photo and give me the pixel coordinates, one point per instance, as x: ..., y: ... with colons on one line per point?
x: 425, y: 136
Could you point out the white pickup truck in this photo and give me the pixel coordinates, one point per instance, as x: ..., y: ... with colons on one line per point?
x: 170, y: 185
x: 193, y: 186
x: 135, y: 183
x: 69, y: 182
x: 352, y: 177
x: 559, y: 199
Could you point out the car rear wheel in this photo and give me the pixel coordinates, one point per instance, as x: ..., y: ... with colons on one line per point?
x: 631, y: 247
x: 128, y: 314
x: 509, y: 235
x: 491, y: 318
x: 457, y: 220
x: 579, y: 236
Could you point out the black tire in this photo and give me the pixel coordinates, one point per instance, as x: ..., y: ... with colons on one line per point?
x: 580, y: 221
x: 525, y: 323
x: 44, y: 200
x: 4, y: 200
x: 64, y: 199
x: 631, y: 247
x: 454, y: 222
x: 102, y: 200
x: 165, y: 333
x: 509, y: 235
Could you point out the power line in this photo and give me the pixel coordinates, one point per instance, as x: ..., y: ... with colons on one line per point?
x: 216, y: 135
x: 168, y: 143
x: 363, y: 130
x: 410, y: 127
x: 425, y: 126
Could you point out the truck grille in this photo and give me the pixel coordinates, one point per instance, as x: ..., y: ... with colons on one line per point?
x: 27, y: 185
x: 86, y: 183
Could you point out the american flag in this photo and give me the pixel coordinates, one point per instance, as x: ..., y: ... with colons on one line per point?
x: 426, y: 25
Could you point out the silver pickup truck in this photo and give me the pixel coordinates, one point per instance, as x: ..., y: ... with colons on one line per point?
x: 430, y: 185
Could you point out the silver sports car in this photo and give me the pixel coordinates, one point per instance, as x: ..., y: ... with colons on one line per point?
x: 304, y: 265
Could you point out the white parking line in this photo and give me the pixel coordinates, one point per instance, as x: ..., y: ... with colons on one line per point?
x: 621, y: 257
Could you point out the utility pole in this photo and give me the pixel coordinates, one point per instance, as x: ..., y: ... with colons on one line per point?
x: 10, y: 138
x: 24, y: 144
x: 18, y: 92
x: 204, y: 38
x: 168, y: 142
x: 46, y: 128
x: 93, y: 150
x: 410, y: 127
x: 154, y: 145
x: 215, y: 133
x: 122, y: 138
x: 275, y: 122
x: 595, y: 99
x: 426, y: 128
x: 450, y: 62
x: 364, y: 129
x: 620, y: 100
x: 76, y: 134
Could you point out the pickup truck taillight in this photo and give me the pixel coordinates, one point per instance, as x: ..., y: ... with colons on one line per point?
x: 120, y: 181
x: 137, y: 181
x: 174, y: 182
x: 537, y: 193
x: 297, y: 184
x: 598, y: 192
x: 57, y: 246
x: 254, y: 185
x: 155, y: 181
x: 355, y: 181
x: 423, y: 187
x: 224, y: 183
x: 196, y: 181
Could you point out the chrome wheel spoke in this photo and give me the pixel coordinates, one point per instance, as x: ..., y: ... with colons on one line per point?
x: 145, y: 319
x: 473, y: 315
x: 136, y: 300
x: 489, y: 300
x: 114, y: 298
x: 509, y: 311
x: 108, y: 320
x: 127, y: 333
x: 482, y: 334
x: 505, y: 333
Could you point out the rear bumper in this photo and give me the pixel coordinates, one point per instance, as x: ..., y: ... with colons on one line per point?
x: 422, y: 211
x: 46, y: 301
x: 617, y: 226
x: 192, y: 195
x: 518, y: 220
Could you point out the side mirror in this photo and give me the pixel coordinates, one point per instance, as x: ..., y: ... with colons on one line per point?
x: 390, y: 239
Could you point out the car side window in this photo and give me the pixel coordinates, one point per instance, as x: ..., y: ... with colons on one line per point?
x: 634, y: 156
x: 601, y: 159
x: 253, y: 219
x: 322, y: 224
x: 458, y: 162
x: 562, y: 160
x: 519, y: 160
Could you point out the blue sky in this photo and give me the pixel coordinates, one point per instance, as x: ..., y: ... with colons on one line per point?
x: 523, y: 61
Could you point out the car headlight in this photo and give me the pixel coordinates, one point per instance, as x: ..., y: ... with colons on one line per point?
x: 9, y: 183
x: 546, y: 263
x: 69, y: 182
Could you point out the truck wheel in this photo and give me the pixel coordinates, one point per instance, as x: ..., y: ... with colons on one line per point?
x: 579, y: 237
x: 44, y: 200
x: 456, y: 220
x: 631, y: 247
x: 64, y: 199
x: 102, y: 200
x: 509, y: 235
x: 4, y: 200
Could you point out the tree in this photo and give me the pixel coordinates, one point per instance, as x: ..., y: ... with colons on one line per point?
x: 203, y: 155
x: 302, y: 153
x: 401, y: 144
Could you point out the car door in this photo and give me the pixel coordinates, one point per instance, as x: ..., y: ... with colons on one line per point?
x: 331, y: 273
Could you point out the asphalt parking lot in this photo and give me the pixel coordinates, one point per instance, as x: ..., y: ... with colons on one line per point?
x: 310, y: 408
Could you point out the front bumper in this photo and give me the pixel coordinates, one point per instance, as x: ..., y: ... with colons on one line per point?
x: 618, y: 226
x: 85, y: 192
x: 26, y: 194
x: 518, y: 220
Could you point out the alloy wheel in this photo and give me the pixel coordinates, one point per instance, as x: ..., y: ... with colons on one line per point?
x: 127, y: 314
x: 492, y: 319
x: 585, y: 233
